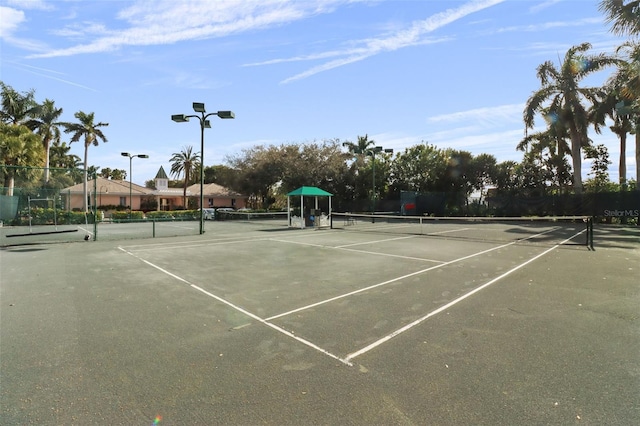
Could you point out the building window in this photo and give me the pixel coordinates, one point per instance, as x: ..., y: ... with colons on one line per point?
x: 123, y: 201
x: 233, y: 202
x: 210, y: 202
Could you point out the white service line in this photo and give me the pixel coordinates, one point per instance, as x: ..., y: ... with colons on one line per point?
x: 322, y: 302
x: 450, y: 304
x: 239, y: 309
x: 191, y: 244
x: 375, y: 242
x: 358, y: 251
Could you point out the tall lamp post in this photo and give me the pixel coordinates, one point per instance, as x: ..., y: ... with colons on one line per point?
x: 204, y: 123
x: 372, y: 152
x: 131, y: 157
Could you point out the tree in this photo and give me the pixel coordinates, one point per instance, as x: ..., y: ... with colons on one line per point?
x: 551, y: 148
x: 599, y: 167
x: 484, y: 170
x: 624, y: 18
x: 260, y: 169
x: 419, y: 168
x: 607, y: 106
x: 17, y: 108
x: 628, y: 79
x: 561, y: 90
x: 90, y: 131
x: 19, y: 146
x: 118, y: 174
x: 105, y: 172
x: 361, y: 146
x: 185, y: 162
x: 114, y: 174
x: 222, y: 175
x: 59, y: 156
x: 46, y: 125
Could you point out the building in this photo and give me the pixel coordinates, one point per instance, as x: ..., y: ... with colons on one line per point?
x: 109, y: 194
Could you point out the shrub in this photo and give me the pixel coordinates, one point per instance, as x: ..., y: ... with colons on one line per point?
x: 135, y: 215
x: 159, y: 215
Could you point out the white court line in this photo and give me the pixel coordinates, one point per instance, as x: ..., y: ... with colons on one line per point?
x: 450, y: 304
x: 191, y: 244
x: 376, y: 241
x: 358, y: 251
x: 322, y: 302
x: 239, y: 309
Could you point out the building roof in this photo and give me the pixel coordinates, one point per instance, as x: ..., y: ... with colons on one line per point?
x: 108, y: 186
x: 212, y: 190
x: 161, y: 174
x: 310, y: 191
x: 121, y: 187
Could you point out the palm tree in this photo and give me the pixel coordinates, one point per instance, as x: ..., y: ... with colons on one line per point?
x: 17, y: 108
x: 560, y: 88
x: 628, y: 78
x: 554, y: 140
x: 18, y: 147
x: 60, y: 157
x: 622, y: 122
x: 46, y: 125
x: 624, y: 18
x: 185, y: 162
x: 89, y: 131
x: 361, y: 146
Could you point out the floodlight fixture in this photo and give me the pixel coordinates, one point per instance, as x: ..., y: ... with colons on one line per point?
x: 179, y: 118
x: 226, y: 114
x: 204, y: 124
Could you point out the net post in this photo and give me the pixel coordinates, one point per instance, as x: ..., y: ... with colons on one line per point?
x: 590, y: 232
x: 330, y: 221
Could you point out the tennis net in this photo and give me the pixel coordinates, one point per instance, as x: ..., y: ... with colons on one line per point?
x: 269, y: 218
x: 542, y: 230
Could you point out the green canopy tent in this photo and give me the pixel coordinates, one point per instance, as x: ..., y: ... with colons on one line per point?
x: 305, y: 191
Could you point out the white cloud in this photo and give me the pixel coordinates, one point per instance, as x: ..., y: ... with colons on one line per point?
x: 411, y: 36
x: 544, y: 5
x: 168, y: 22
x: 31, y: 4
x: 11, y: 20
x: 487, y: 117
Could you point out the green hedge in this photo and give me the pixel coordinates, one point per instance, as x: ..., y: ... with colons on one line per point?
x: 45, y: 216
x: 134, y: 215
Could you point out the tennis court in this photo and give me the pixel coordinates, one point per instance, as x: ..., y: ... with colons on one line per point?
x: 257, y: 323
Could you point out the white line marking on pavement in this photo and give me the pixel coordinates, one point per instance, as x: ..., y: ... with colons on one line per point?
x: 322, y: 302
x: 239, y: 309
x: 375, y: 242
x: 358, y: 251
x: 450, y: 304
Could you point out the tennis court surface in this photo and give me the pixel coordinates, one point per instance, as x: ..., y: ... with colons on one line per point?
x: 255, y: 323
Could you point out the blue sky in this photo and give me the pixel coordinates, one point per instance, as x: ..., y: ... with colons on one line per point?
x: 451, y: 73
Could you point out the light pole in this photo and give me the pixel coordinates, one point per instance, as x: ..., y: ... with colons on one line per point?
x: 372, y: 152
x: 204, y: 123
x: 131, y: 157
